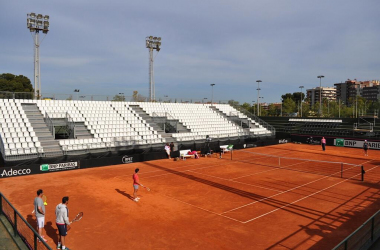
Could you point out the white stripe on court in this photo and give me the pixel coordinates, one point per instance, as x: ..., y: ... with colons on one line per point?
x: 285, y: 191
x: 302, y: 198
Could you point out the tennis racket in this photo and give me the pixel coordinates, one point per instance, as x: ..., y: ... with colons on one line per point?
x: 78, y: 217
x: 44, y: 198
x: 148, y: 189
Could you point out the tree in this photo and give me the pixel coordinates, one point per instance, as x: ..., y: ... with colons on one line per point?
x: 272, y: 110
x: 118, y: 98
x: 233, y: 103
x: 136, y: 97
x: 13, y: 83
x: 286, y: 96
x: 289, y: 106
x: 246, y: 106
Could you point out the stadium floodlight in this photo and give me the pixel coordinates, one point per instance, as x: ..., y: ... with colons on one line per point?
x: 320, y: 94
x: 258, y: 99
x: 152, y: 43
x: 212, y: 93
x: 301, y: 87
x: 35, y: 24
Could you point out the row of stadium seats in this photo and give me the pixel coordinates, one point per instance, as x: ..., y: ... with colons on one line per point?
x: 112, y: 124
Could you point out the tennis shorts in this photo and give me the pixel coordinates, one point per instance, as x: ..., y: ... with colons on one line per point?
x: 62, y: 229
x: 135, y: 186
x: 40, y: 222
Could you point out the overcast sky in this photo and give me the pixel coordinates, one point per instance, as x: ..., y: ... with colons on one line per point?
x: 99, y: 46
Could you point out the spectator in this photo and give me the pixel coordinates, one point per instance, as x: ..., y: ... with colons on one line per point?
x: 167, y: 149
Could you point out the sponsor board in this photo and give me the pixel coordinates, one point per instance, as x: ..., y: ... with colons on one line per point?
x: 339, y: 142
x: 282, y: 141
x: 8, y: 172
x: 126, y: 159
x: 59, y: 166
x: 355, y: 144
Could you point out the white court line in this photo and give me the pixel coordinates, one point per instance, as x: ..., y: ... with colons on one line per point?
x: 231, y: 180
x: 284, y: 191
x: 203, y: 209
x: 275, y: 168
x: 301, y: 198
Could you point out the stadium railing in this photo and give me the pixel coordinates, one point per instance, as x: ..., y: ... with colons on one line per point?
x: 256, y: 118
x: 364, y: 236
x: 21, y: 228
x: 93, y: 97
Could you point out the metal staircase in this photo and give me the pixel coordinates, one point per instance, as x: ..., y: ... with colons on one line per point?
x: 50, y: 146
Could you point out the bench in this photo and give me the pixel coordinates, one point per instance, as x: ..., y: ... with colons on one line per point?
x: 226, y: 148
x: 183, y: 154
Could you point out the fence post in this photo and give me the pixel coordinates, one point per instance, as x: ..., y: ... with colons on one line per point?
x: 372, y: 227
x: 35, y: 242
x: 1, y: 203
x: 15, y: 223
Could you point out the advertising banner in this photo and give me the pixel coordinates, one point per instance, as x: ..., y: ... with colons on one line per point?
x: 355, y: 144
x: 58, y: 166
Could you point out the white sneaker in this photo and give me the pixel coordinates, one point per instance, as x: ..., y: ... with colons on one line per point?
x: 136, y: 200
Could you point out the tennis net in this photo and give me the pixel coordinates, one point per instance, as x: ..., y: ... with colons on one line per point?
x: 327, y: 168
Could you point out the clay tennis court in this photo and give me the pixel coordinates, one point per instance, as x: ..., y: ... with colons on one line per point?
x: 209, y: 203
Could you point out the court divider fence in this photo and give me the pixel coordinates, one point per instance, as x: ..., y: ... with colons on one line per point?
x: 364, y: 236
x: 21, y: 228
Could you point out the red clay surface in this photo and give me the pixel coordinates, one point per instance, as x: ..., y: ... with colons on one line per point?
x: 208, y: 203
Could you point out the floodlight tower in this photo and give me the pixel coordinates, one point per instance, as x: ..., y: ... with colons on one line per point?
x: 35, y: 24
x: 152, y: 43
x: 258, y: 96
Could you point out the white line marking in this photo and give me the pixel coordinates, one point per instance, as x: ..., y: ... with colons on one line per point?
x: 285, y: 191
x: 301, y: 199
x: 203, y: 209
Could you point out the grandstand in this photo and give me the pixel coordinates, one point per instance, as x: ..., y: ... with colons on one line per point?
x: 35, y: 129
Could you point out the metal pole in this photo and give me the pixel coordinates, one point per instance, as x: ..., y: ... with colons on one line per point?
x: 212, y: 93
x: 301, y: 87
x: 258, y: 97
x: 320, y: 96
x: 339, y: 107
x: 151, y: 89
x: 37, y: 82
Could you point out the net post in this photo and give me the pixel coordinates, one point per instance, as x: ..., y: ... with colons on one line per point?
x: 231, y: 153
x: 362, y: 172
x: 341, y: 170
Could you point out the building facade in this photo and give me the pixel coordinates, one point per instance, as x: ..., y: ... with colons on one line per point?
x: 328, y: 93
x: 370, y: 90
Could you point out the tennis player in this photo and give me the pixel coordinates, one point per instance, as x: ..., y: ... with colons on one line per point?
x: 62, y: 220
x: 39, y: 209
x: 365, y: 147
x: 323, y: 142
x: 136, y: 184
